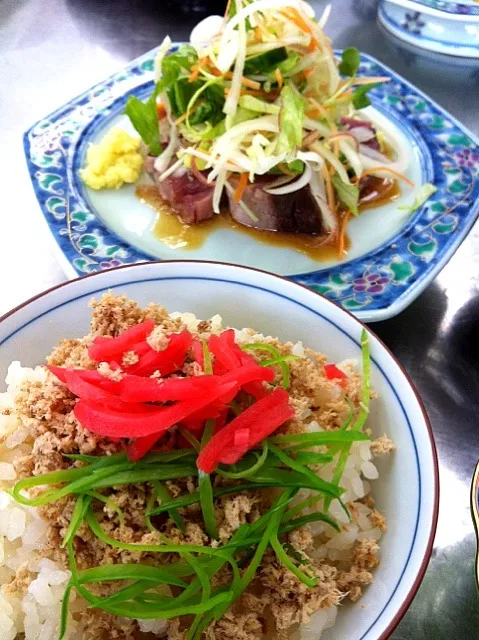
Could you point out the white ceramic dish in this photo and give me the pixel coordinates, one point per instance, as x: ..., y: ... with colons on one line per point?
x: 392, y: 256
x: 442, y: 26
x: 408, y: 490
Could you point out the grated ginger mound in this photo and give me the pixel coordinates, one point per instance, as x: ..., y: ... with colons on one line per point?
x: 115, y: 161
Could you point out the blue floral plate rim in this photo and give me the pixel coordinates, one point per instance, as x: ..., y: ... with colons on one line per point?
x: 444, y: 6
x: 374, y: 287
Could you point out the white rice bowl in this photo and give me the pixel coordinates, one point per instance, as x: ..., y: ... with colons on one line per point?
x: 63, y: 313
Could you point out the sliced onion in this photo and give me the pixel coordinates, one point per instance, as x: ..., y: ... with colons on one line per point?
x: 264, y: 5
x: 165, y: 46
x: 166, y: 156
x: 314, y: 125
x: 207, y: 158
x: 362, y: 134
x: 375, y: 155
x: 263, y: 47
x: 323, y: 20
x: 329, y: 218
x: 173, y: 169
x: 331, y: 158
x: 311, y: 156
x: 370, y: 157
x: 232, y: 100
x: 352, y: 156
x: 241, y: 203
x: 205, y: 30
x: 281, y: 181
x: 298, y: 184
x: 265, y: 123
x: 218, y: 192
x: 228, y: 53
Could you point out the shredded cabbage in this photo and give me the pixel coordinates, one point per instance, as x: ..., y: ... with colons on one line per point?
x: 264, y: 94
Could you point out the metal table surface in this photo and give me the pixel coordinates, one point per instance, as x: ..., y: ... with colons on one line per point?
x: 52, y: 50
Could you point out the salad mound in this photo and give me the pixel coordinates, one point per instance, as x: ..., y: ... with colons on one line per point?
x: 257, y: 113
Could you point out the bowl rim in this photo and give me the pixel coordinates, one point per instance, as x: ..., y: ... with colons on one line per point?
x: 436, y: 489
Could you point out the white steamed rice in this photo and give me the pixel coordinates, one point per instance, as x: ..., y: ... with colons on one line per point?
x: 22, y: 531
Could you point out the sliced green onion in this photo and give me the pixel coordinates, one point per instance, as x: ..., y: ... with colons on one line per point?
x: 207, y: 504
x: 363, y: 413
x: 77, y: 517
x: 350, y: 415
x: 130, y: 571
x: 289, y: 564
x: 110, y: 503
x: 296, y: 465
x: 155, y: 548
x: 187, y: 435
x: 260, y: 460
x: 165, y: 496
x: 276, y: 359
x: 319, y: 439
x: 309, y: 457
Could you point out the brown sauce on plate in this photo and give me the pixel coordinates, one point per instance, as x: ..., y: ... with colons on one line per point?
x: 377, y: 192
x: 175, y: 234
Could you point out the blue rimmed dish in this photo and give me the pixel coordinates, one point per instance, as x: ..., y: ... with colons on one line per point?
x: 392, y: 257
x: 441, y: 26
x: 407, y: 492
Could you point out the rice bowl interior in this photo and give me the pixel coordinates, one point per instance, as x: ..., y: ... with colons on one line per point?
x: 34, y: 598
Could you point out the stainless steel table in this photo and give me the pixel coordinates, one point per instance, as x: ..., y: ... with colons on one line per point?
x: 52, y: 50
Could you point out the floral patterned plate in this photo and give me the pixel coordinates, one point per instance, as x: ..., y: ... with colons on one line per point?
x: 392, y: 257
x: 443, y: 26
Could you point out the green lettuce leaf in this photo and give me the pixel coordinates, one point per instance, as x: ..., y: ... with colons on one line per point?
x: 350, y: 61
x: 289, y: 64
x: 423, y: 194
x: 260, y: 106
x: 347, y: 193
x: 265, y: 62
x: 290, y: 120
x: 144, y: 117
x: 360, y: 97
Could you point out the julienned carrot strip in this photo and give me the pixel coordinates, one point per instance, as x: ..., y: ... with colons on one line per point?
x: 323, y: 112
x: 293, y: 14
x: 196, y: 68
x: 251, y: 84
x: 343, y: 135
x: 242, y: 184
x: 342, y: 234
x: 279, y: 78
x: 194, y: 73
x: 381, y: 169
x: 161, y: 111
x: 329, y: 188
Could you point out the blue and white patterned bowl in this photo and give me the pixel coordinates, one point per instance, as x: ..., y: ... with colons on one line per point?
x: 393, y: 256
x: 437, y: 25
x: 407, y: 492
